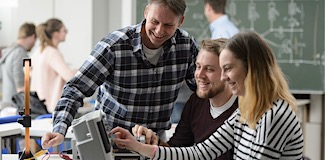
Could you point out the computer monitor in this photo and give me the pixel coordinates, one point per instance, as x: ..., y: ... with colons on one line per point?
x: 91, y: 138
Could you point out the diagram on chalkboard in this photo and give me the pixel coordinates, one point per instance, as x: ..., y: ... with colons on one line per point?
x: 195, y: 22
x: 281, y: 23
x: 293, y: 28
x: 295, y: 31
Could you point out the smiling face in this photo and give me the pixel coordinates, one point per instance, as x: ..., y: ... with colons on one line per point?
x: 207, y: 75
x: 233, y: 72
x: 161, y: 24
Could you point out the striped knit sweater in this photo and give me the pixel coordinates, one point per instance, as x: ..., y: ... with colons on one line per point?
x: 277, y: 135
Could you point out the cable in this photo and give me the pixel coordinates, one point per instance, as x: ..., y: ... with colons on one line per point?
x: 63, y: 155
x: 40, y: 153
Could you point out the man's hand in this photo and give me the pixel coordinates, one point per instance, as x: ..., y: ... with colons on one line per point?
x: 51, y: 139
x: 151, y: 137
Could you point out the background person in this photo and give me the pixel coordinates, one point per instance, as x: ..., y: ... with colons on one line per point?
x: 207, y: 109
x: 138, y: 69
x: 220, y: 25
x: 49, y: 70
x: 264, y: 126
x: 13, y: 77
x: 12, y: 62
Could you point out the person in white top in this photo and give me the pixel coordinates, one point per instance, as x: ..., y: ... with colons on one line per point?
x: 49, y: 70
x: 264, y: 126
x: 220, y: 24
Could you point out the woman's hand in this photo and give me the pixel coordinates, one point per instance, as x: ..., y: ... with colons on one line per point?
x: 124, y: 139
x: 151, y: 137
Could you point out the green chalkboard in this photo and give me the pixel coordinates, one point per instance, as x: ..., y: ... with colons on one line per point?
x: 293, y: 28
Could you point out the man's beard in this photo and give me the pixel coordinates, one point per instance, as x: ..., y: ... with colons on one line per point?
x: 211, y: 92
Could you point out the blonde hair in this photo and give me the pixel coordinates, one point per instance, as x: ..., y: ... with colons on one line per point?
x: 213, y: 45
x: 45, y: 31
x: 265, y: 81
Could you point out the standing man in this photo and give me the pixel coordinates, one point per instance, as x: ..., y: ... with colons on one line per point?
x: 50, y: 72
x: 138, y: 70
x: 220, y: 25
x: 207, y: 109
x: 12, y: 62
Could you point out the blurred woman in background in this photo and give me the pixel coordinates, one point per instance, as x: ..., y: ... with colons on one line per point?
x: 49, y: 70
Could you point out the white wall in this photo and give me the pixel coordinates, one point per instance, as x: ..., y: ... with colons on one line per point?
x: 12, y: 17
x: 77, y: 17
x: 87, y: 22
x: 5, y: 30
x: 100, y: 19
x: 129, y: 12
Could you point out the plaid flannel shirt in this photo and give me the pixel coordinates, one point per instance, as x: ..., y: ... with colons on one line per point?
x: 131, y: 89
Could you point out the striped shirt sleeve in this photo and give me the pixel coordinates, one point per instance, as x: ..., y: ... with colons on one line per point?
x: 277, y: 135
x: 217, y: 144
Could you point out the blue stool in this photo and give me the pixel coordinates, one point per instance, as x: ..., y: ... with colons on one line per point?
x: 44, y: 116
x: 9, y: 119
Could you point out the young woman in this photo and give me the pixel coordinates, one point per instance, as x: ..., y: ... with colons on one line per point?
x: 265, y: 125
x: 49, y: 70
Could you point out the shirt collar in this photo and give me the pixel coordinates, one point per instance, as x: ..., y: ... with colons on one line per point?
x: 136, y: 41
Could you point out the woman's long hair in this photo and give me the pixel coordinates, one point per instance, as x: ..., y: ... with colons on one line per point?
x: 265, y: 81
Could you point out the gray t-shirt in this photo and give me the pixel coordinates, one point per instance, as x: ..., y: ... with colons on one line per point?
x: 12, y: 71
